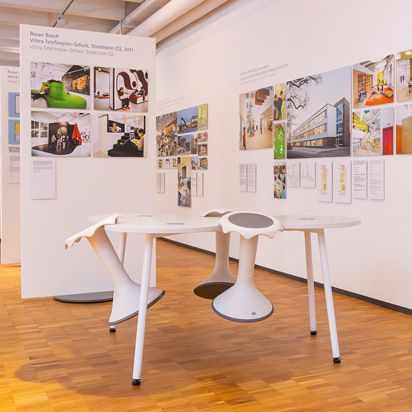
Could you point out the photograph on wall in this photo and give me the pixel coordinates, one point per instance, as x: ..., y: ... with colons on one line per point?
x: 201, y: 143
x: 404, y: 76
x: 372, y: 133
x: 293, y: 173
x: 203, y: 163
x: 121, y: 89
x: 14, y: 131
x: 404, y: 129
x: 187, y: 120
x: 373, y: 82
x: 60, y: 86
x: 60, y: 134
x: 279, y: 180
x: 166, y: 135
x: 184, y: 173
x: 279, y: 102
x: 324, y: 181
x: 202, y: 117
x: 318, y: 115
x: 256, y: 118
x: 14, y: 104
x: 119, y: 135
x: 195, y: 162
x: 186, y: 145
x: 279, y: 140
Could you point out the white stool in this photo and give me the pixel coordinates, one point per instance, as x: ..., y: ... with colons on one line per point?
x: 220, y: 279
x: 126, y: 292
x: 243, y: 302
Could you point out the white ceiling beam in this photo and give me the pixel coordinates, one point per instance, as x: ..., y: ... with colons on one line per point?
x: 145, y: 10
x: 9, y: 49
x: 168, y: 13
x: 188, y: 18
x: 98, y: 9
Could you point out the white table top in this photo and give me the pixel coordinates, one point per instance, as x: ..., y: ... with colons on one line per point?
x: 164, y: 224
x: 308, y: 222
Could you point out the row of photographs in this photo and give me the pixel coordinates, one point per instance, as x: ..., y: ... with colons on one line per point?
x: 317, y: 110
x: 189, y: 122
x: 373, y: 133
x: 67, y: 86
x: 59, y: 134
x: 340, y: 180
x: 198, y: 163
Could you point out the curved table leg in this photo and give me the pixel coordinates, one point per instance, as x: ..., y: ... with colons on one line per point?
x: 329, y: 297
x: 311, y: 286
x: 243, y: 302
x: 141, y: 324
x: 220, y: 279
x: 125, y: 298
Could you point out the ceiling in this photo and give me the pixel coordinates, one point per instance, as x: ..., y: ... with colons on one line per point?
x: 94, y: 15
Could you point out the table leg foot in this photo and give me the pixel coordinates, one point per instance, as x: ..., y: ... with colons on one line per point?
x: 336, y: 360
x: 313, y: 332
x: 112, y: 329
x: 136, y: 382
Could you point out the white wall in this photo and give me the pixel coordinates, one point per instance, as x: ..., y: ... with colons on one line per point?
x: 85, y: 186
x: 297, y: 38
x: 10, y: 192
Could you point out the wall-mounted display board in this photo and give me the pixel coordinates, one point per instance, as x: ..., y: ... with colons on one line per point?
x: 182, y: 142
x: 86, y: 98
x: 337, y: 113
x: 364, y: 110
x: 10, y: 164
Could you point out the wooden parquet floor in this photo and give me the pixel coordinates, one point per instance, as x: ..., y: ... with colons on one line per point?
x: 61, y: 357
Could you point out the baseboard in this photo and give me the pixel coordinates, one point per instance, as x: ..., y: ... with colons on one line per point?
x: 377, y: 302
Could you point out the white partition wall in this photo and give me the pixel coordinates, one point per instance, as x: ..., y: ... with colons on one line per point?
x: 69, y: 168
x: 10, y: 164
x: 253, y: 44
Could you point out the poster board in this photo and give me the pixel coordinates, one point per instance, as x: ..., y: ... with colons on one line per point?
x: 65, y: 90
x: 10, y: 164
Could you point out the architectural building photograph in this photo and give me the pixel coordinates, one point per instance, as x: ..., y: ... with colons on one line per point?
x: 318, y: 115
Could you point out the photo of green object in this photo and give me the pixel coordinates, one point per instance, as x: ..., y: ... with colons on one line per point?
x: 279, y: 141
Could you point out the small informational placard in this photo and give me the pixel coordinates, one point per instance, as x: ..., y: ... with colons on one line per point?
x: 200, y: 184
x: 43, y: 179
x: 376, y: 179
x: 160, y: 182
x: 243, y: 177
x: 293, y: 173
x: 360, y: 179
x: 308, y: 174
x: 194, y: 183
x: 251, y: 177
x: 342, y: 181
x: 324, y: 180
x: 13, y: 175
